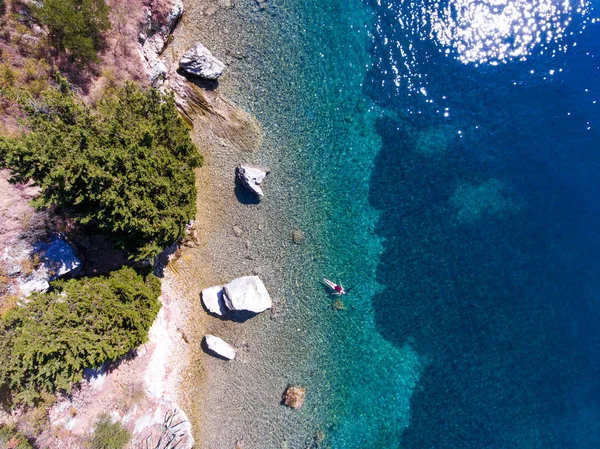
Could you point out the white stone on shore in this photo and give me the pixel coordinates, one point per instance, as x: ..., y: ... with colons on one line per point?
x: 252, y: 177
x: 247, y: 293
x: 212, y: 298
x: 199, y: 61
x: 220, y: 347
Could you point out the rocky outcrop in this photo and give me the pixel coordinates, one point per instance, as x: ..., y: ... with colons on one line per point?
x: 247, y: 293
x: 294, y: 397
x: 161, y: 20
x: 162, y: 17
x: 252, y: 177
x: 212, y: 298
x: 157, y: 72
x: 58, y: 258
x: 199, y: 61
x: 219, y: 347
x: 34, y: 267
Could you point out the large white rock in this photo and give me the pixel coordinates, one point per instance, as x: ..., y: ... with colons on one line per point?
x: 218, y: 346
x: 247, y: 293
x: 252, y: 177
x: 212, y: 298
x: 199, y: 61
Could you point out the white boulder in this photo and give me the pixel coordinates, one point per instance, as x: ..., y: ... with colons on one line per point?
x: 252, y: 177
x: 220, y: 347
x: 247, y: 293
x: 199, y: 61
x: 212, y: 298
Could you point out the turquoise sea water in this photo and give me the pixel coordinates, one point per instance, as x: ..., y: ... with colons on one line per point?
x: 463, y: 192
x: 444, y: 161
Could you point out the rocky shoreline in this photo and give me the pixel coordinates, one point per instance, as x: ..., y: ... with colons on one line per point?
x: 234, y: 234
x: 142, y: 392
x: 159, y: 368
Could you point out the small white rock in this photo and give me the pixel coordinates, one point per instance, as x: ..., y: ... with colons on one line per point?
x: 252, y: 177
x: 220, y: 347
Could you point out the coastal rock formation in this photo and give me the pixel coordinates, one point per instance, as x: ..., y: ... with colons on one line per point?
x: 252, y: 177
x: 220, y: 347
x: 212, y: 298
x: 161, y: 19
x: 157, y: 73
x: 294, y: 397
x: 247, y: 293
x: 199, y: 61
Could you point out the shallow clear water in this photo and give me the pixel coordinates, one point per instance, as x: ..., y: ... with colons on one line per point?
x: 442, y: 159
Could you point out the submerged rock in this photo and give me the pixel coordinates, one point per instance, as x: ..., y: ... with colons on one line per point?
x: 220, y: 347
x: 199, y: 61
x: 294, y: 397
x: 212, y: 298
x: 247, y: 293
x: 252, y: 177
x: 297, y: 236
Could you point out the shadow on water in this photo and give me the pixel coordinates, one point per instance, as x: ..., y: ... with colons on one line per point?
x: 505, y: 306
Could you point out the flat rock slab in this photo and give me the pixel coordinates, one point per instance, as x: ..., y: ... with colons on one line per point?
x: 247, y: 293
x: 219, y: 347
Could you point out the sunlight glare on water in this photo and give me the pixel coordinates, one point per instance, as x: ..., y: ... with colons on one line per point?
x: 473, y: 32
x: 497, y: 31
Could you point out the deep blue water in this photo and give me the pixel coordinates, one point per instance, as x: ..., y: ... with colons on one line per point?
x: 490, y: 223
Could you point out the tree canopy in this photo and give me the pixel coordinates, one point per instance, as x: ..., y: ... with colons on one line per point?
x: 75, y: 25
x: 46, y: 345
x: 124, y: 166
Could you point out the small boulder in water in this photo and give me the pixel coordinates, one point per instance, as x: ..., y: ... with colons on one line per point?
x: 294, y: 397
x: 297, y: 236
x: 247, y: 293
x: 219, y: 347
x: 252, y: 177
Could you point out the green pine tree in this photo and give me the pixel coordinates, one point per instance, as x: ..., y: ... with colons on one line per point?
x: 125, y: 167
x: 75, y: 26
x: 46, y: 344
